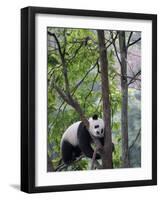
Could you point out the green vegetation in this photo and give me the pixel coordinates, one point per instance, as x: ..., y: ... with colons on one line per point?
x: 80, y: 51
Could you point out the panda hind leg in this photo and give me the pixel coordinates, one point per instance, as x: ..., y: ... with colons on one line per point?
x: 76, y: 152
x: 67, y: 152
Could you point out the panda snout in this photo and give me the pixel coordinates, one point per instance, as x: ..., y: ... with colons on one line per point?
x: 97, y: 132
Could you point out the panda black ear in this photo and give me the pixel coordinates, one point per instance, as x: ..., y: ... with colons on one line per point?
x: 95, y: 117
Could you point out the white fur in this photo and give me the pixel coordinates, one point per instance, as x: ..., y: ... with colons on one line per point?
x: 93, y: 130
x: 70, y: 134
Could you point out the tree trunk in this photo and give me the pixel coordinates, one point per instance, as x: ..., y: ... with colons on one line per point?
x: 107, y: 150
x: 124, y: 108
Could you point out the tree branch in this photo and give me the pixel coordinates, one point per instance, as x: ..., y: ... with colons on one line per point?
x: 62, y: 94
x: 63, y: 166
x: 94, y: 161
x: 67, y: 96
x: 134, y: 77
x: 76, y: 51
x: 132, y: 43
x: 63, y: 63
x: 86, y: 97
x: 72, y: 102
x: 59, y: 110
x: 57, y: 42
x: 128, y: 42
x: 116, y: 52
x: 80, y: 82
x: 137, y: 136
x: 113, y: 39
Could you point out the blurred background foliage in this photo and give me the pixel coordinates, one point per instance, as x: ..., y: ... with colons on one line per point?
x: 80, y: 50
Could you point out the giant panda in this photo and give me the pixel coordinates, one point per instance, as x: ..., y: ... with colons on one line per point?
x: 77, y: 140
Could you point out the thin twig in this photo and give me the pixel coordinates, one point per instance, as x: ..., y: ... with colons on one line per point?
x: 94, y: 161
x: 86, y: 97
x: 132, y: 43
x: 63, y: 166
x: 113, y: 40
x: 80, y: 82
x: 116, y: 52
x: 128, y: 42
x: 135, y: 77
x: 137, y: 136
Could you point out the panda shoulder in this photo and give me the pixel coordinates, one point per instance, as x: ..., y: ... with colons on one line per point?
x: 71, y: 129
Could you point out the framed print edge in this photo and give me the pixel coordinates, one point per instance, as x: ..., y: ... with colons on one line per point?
x: 154, y: 99
x: 28, y: 99
x: 24, y: 100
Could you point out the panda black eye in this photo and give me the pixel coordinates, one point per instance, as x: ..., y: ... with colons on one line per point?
x: 102, y: 130
x: 97, y: 126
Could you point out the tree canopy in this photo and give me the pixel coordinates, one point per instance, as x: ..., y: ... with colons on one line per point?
x: 74, y: 71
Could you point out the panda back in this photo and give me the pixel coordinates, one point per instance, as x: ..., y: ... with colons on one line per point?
x: 70, y: 134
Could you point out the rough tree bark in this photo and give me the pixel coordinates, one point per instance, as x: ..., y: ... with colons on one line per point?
x: 124, y: 107
x: 107, y: 149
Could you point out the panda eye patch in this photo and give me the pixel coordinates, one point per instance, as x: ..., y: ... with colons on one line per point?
x: 97, y: 126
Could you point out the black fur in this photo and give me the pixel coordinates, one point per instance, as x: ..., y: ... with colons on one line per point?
x: 70, y: 153
x: 95, y: 117
x: 85, y: 141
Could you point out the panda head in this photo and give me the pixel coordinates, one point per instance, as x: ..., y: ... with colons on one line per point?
x: 96, y: 126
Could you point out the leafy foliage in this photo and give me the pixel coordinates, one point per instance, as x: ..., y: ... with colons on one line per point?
x: 80, y: 50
